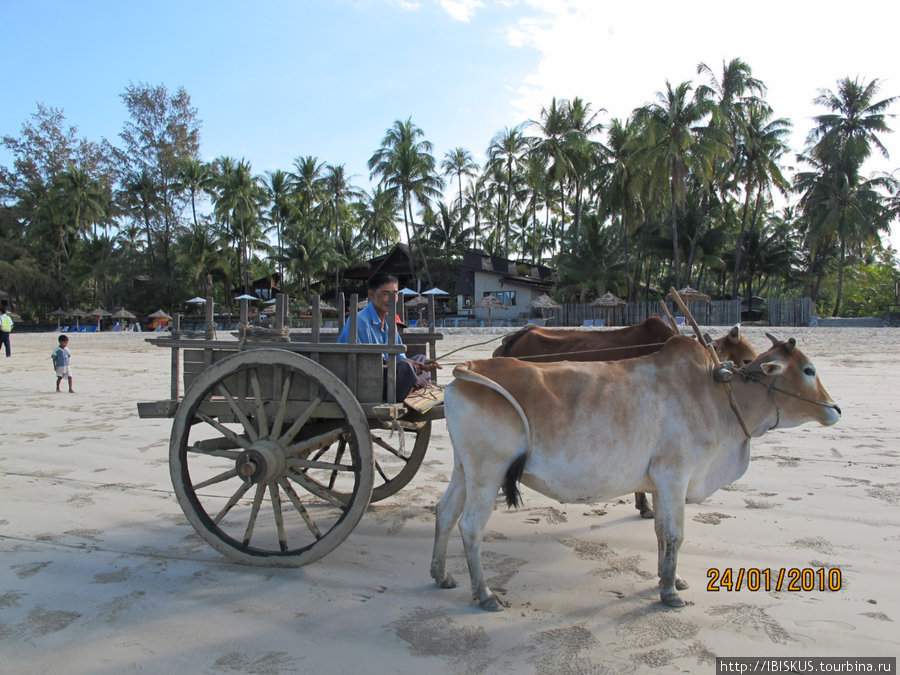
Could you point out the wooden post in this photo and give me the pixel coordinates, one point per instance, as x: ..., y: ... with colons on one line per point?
x: 209, y: 328
x: 316, y: 318
x: 341, y: 310
x: 392, y: 358
x: 352, y: 358
x: 176, y: 361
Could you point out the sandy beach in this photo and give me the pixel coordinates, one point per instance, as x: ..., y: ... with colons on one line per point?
x: 102, y: 573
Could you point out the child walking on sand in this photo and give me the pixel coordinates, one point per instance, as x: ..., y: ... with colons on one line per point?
x: 61, y: 358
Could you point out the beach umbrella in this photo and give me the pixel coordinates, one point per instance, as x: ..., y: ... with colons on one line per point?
x: 271, y: 302
x: 123, y: 314
x: 608, y: 300
x: 361, y: 305
x: 689, y: 294
x: 417, y: 301
x: 407, y: 291
x: 159, y: 314
x: 58, y: 313
x: 491, y: 303
x: 99, y: 312
x: 435, y: 291
x: 196, y: 301
x: 78, y: 314
x: 544, y: 302
x: 325, y: 307
x: 245, y: 296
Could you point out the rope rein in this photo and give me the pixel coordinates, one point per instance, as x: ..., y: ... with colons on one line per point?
x: 539, y: 356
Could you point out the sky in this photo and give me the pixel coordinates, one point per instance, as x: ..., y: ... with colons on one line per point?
x: 274, y: 80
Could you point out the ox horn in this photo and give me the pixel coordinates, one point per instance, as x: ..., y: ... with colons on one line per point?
x: 734, y: 335
x: 772, y: 338
x: 791, y: 344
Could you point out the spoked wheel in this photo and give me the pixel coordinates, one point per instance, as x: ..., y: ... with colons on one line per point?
x: 398, y: 452
x: 261, y: 445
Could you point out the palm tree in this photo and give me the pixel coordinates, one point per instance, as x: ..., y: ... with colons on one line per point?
x: 140, y: 195
x: 379, y: 215
x: 406, y: 167
x: 506, y: 153
x: 855, y: 120
x: 193, y: 175
x: 762, y: 144
x: 458, y: 162
x: 674, y: 144
x: 240, y: 198
x: 308, y: 181
x: 83, y: 196
x: 279, y: 187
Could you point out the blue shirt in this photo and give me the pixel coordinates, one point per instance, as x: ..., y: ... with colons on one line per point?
x: 60, y: 357
x: 369, y: 330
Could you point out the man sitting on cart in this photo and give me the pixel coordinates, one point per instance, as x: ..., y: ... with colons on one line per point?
x: 372, y: 328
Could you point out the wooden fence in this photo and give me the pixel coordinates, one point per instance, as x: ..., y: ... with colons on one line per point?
x: 781, y: 312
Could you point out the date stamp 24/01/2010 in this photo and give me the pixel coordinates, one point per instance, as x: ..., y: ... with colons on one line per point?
x: 783, y: 579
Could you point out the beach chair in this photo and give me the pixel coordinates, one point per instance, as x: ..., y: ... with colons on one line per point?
x: 679, y: 320
x: 412, y: 323
x: 62, y: 329
x: 599, y: 323
x: 587, y: 323
x: 328, y: 324
x: 117, y: 328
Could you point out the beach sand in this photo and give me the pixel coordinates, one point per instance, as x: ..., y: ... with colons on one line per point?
x: 101, y: 572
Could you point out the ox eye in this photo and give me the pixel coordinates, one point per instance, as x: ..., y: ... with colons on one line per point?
x: 747, y: 362
x: 809, y: 370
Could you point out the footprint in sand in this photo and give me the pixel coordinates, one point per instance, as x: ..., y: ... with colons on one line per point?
x: 430, y: 632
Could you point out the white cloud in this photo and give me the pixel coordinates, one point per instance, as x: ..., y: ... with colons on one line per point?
x: 409, y: 5
x: 461, y: 10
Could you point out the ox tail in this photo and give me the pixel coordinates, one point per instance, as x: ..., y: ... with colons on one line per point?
x: 507, y: 343
x: 517, y: 468
x: 511, y: 482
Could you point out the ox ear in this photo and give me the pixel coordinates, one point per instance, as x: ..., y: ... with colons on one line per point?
x: 734, y: 335
x: 772, y: 368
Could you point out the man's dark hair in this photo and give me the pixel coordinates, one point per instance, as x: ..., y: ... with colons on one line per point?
x: 63, y: 338
x: 376, y: 281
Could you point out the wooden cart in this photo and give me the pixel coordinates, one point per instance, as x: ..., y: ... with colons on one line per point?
x: 278, y: 446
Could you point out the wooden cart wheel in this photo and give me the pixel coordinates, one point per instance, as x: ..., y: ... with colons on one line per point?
x: 398, y: 453
x: 250, y: 443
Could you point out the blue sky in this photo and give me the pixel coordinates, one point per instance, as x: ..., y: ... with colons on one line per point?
x: 276, y: 79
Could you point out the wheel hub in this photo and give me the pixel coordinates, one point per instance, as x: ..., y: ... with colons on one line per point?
x: 262, y: 462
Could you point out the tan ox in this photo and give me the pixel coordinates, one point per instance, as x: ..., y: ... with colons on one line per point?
x: 667, y: 428
x: 545, y: 345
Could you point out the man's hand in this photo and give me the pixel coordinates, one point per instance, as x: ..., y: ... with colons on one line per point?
x: 426, y: 366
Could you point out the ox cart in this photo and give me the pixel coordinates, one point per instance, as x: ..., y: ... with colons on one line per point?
x: 281, y: 439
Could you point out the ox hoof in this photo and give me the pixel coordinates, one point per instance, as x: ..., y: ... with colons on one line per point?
x: 445, y: 581
x: 671, y: 599
x: 681, y: 584
x: 493, y: 604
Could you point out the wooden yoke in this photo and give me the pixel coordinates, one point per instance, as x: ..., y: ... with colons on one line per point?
x: 715, y: 357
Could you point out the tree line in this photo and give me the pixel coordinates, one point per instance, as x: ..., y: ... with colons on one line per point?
x: 690, y: 189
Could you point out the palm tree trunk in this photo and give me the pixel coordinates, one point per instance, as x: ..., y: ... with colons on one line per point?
x: 676, y: 258
x: 840, y: 286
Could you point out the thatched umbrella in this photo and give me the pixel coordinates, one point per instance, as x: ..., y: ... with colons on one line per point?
x: 99, y: 312
x: 491, y: 303
x: 58, y: 313
x: 159, y: 314
x: 123, y: 314
x: 689, y: 294
x: 608, y: 301
x: 543, y: 303
x: 416, y: 302
x: 78, y: 314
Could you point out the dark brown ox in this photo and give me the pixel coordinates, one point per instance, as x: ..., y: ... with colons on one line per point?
x: 504, y: 416
x: 545, y: 345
